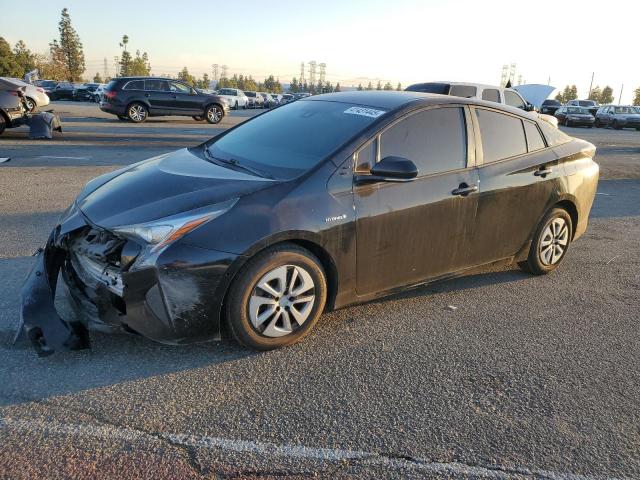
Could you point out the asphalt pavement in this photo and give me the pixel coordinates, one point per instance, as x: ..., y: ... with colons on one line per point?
x: 527, y: 377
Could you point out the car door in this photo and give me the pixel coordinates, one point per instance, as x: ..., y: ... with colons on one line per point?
x: 183, y: 99
x: 518, y: 176
x: 159, y: 97
x: 408, y: 232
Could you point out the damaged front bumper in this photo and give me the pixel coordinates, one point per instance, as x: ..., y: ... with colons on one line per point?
x: 176, y: 300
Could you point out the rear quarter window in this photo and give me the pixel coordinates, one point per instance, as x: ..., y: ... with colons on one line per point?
x: 491, y: 95
x: 534, y: 138
x: 553, y: 135
x: 134, y: 85
x: 502, y: 135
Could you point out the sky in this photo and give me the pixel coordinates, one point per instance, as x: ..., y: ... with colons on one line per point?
x: 403, y: 41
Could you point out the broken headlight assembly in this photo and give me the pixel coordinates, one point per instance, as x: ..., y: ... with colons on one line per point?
x: 156, y: 235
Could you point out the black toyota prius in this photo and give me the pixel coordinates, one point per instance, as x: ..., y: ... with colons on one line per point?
x: 325, y: 202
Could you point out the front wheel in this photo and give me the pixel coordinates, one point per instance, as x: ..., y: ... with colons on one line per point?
x: 566, y: 122
x: 277, y: 298
x: 550, y: 243
x: 616, y: 126
x: 213, y: 114
x: 30, y: 103
x: 137, y: 112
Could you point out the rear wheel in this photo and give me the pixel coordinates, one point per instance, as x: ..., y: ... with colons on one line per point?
x: 550, y: 243
x: 597, y: 123
x: 213, y: 114
x: 276, y: 298
x: 137, y: 112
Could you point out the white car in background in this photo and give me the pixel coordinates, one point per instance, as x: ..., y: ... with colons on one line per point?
x: 99, y: 92
x: 236, y: 98
x: 34, y: 96
x: 491, y: 93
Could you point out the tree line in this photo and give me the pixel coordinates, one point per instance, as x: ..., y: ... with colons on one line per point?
x: 601, y: 96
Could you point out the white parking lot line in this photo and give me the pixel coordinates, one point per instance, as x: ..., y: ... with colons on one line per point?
x: 454, y: 469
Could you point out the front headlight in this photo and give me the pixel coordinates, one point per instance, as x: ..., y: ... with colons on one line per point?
x: 157, y: 234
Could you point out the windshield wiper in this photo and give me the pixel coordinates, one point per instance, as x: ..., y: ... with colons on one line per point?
x: 235, y: 163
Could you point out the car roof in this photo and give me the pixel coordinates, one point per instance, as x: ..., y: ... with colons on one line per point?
x: 393, y: 100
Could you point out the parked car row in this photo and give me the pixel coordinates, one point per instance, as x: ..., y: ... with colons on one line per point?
x: 72, y: 91
x: 248, y: 99
x: 614, y: 116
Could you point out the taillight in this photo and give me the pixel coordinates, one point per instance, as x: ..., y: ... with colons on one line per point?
x: 110, y: 95
x: 13, y: 92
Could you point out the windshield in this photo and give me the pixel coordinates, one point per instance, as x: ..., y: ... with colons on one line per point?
x: 586, y: 103
x: 577, y: 110
x: 627, y: 110
x: 293, y: 138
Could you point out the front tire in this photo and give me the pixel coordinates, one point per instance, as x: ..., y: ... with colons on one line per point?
x: 137, y: 112
x: 550, y: 243
x: 213, y: 114
x: 31, y: 104
x: 616, y: 126
x: 276, y: 298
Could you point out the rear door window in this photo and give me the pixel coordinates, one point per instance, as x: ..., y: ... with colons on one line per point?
x: 435, y: 140
x: 491, y: 95
x: 502, y: 135
x: 465, y: 91
x: 534, y: 139
x: 156, y: 85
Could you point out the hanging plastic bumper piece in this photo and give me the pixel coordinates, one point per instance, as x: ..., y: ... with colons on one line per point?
x: 39, y: 319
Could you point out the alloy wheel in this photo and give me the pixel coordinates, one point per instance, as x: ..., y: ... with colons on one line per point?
x: 214, y: 114
x: 31, y: 105
x: 282, y: 301
x: 553, y: 242
x: 137, y: 113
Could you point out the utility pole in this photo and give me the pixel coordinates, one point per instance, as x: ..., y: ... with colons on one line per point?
x: 591, y: 85
x: 302, y: 73
x: 116, y: 64
x: 312, y: 72
x: 549, y: 81
x: 323, y: 71
x: 106, y: 72
x: 215, y: 71
x: 620, y: 97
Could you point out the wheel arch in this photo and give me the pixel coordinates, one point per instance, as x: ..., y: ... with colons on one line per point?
x: 570, y: 206
x: 302, y: 240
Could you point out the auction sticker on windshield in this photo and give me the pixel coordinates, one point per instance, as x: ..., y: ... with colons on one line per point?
x: 366, y: 112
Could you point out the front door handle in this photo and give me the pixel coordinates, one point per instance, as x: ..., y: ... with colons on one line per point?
x: 463, y: 189
x: 543, y: 172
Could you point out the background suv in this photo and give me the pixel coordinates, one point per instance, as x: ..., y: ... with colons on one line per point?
x: 236, y: 98
x: 137, y: 98
x: 591, y: 105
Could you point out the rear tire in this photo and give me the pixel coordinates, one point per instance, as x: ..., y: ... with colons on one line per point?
x: 137, y: 112
x: 550, y: 243
x: 289, y: 305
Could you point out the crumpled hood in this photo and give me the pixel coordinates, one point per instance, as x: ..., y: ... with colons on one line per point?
x: 166, y: 185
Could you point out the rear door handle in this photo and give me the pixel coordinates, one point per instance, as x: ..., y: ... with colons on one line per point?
x: 147, y: 95
x: 463, y: 190
x: 543, y: 172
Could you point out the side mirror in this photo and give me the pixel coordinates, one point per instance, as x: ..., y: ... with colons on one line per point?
x: 193, y: 92
x: 529, y: 107
x: 390, y: 169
